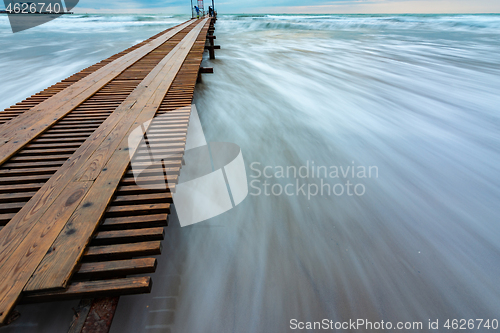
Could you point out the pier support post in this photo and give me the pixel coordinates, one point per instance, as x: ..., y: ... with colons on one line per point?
x: 211, y: 47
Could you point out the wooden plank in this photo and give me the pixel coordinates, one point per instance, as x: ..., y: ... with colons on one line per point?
x: 138, y: 159
x: 40, y: 158
x: 134, y: 222
x: 122, y: 251
x: 106, y: 269
x: 5, y: 218
x: 38, y: 152
x: 168, y: 164
x: 24, y: 172
x: 128, y: 236
x: 20, y: 188
x: 15, y: 165
x: 56, y: 268
x: 91, y: 289
x: 16, y: 197
x: 23, y: 179
x: 140, y: 199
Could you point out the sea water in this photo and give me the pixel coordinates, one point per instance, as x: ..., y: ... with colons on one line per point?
x: 413, y: 98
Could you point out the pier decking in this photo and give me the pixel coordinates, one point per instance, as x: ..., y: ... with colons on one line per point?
x: 74, y: 224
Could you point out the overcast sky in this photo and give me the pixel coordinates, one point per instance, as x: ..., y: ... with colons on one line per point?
x: 295, y: 6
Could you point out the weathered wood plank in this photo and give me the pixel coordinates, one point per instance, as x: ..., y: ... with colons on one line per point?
x: 100, y: 315
x: 23, y: 179
x: 24, y: 172
x: 20, y: 188
x: 122, y: 251
x: 153, y: 188
x: 11, y: 207
x: 16, y: 197
x: 104, y: 269
x: 91, y: 289
x: 128, y: 236
x: 5, y: 218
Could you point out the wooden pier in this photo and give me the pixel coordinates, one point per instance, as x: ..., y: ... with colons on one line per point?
x: 74, y: 224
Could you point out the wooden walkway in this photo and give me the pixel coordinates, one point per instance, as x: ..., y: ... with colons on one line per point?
x: 73, y: 222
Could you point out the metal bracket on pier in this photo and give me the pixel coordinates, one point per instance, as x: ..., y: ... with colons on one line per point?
x: 204, y: 70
